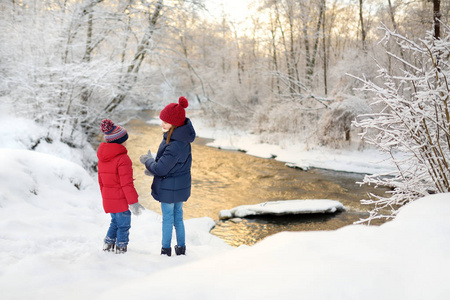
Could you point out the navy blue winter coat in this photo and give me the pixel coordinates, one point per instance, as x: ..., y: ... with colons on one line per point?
x: 172, y: 166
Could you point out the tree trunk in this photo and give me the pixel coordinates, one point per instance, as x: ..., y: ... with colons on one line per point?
x: 437, y: 18
x: 76, y: 23
x: 363, y: 31
x: 294, y: 65
x: 240, y: 64
x: 274, y: 53
x: 307, y: 50
x: 288, y: 62
x: 391, y: 11
x: 125, y: 43
x: 311, y: 62
x: 192, y: 71
x: 86, y: 92
x: 394, y: 24
x: 324, y: 38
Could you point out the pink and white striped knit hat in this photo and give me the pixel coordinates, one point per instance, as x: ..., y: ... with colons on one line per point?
x: 113, y: 133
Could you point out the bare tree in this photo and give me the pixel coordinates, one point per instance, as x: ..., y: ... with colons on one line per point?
x: 288, y: 50
x: 274, y: 51
x: 324, y: 48
x: 129, y: 78
x: 311, y: 59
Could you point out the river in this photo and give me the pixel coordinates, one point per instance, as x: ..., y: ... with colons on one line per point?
x: 225, y: 179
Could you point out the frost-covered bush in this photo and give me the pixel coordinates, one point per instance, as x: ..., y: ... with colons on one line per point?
x: 287, y: 120
x: 413, y: 126
x: 336, y: 123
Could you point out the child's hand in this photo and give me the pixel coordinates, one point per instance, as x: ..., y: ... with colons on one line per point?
x: 147, y: 172
x: 145, y: 157
x: 136, y: 208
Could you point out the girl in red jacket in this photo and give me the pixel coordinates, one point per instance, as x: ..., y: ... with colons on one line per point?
x: 115, y: 177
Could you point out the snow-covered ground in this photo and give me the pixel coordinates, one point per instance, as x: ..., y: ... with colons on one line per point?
x: 52, y: 225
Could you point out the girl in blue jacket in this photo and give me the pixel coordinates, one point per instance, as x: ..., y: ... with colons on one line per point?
x: 171, y: 169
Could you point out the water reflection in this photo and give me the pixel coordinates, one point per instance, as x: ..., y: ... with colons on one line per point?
x: 251, y: 230
x: 226, y: 179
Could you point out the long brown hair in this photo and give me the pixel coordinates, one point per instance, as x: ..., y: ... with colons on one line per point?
x: 169, y: 133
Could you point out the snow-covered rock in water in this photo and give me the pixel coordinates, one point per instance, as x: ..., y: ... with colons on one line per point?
x: 284, y: 207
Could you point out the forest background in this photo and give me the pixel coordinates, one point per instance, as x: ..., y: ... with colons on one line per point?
x: 291, y: 71
x: 282, y: 72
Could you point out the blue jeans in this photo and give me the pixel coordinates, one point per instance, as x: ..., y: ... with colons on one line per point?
x: 119, y: 229
x: 172, y: 216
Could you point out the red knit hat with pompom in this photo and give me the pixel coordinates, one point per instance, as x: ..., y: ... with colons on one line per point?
x: 174, y: 113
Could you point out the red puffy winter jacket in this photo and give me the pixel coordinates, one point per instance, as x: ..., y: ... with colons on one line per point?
x: 115, y: 176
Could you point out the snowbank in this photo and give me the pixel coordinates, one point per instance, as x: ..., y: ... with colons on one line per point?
x: 404, y: 259
x: 284, y: 207
x: 26, y: 134
x: 52, y: 225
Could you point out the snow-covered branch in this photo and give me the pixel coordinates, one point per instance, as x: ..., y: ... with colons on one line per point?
x: 413, y: 125
x: 307, y: 93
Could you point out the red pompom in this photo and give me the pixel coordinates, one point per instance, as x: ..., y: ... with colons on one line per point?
x: 107, y: 125
x: 183, y: 102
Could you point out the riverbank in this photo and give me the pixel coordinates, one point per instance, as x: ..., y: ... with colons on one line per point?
x: 365, y: 161
x: 226, y: 179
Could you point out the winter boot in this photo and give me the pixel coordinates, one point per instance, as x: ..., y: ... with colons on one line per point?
x: 166, y: 251
x: 108, y: 247
x: 121, y: 250
x: 180, y: 250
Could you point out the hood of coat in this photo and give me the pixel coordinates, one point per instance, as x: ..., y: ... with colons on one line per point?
x: 107, y: 151
x: 185, y: 133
